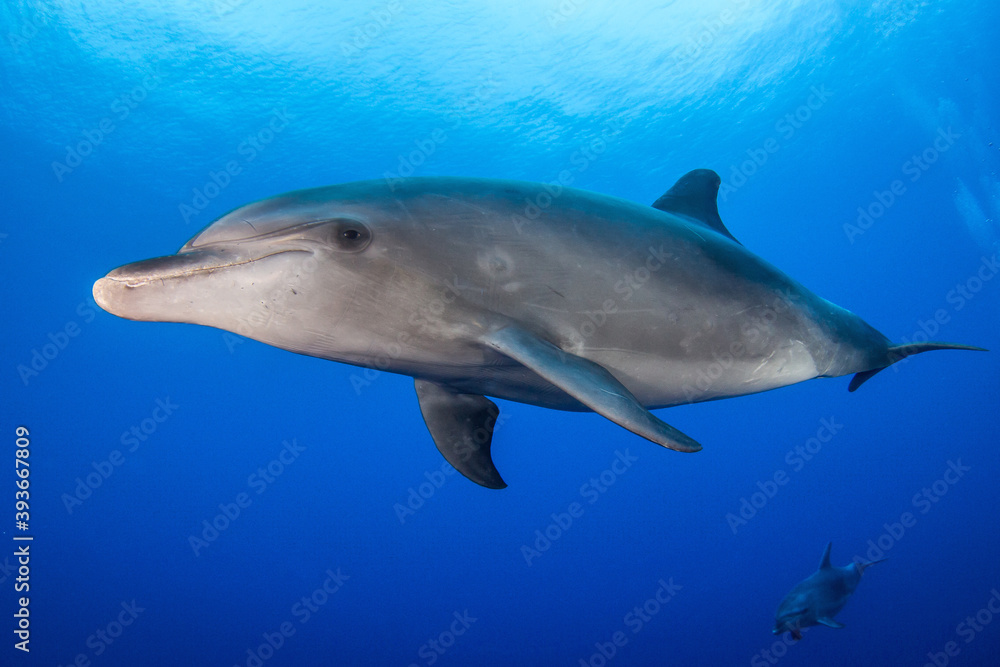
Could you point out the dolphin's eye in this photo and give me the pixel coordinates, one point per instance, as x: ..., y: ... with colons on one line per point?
x: 350, y: 235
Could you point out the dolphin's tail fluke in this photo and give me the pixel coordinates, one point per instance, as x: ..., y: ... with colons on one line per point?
x: 864, y: 565
x: 901, y: 352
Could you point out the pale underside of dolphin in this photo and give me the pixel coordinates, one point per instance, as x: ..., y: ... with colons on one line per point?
x: 528, y: 292
x: 819, y: 597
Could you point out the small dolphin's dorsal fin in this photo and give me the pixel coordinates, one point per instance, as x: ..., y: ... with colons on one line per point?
x: 462, y: 428
x: 825, y: 563
x: 830, y: 623
x: 694, y: 196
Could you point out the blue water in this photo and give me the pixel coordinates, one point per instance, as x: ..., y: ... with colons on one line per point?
x: 126, y: 130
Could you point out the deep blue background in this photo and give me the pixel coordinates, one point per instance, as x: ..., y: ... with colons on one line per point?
x: 516, y: 89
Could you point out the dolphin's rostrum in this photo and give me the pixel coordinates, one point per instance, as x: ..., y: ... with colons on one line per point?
x: 529, y: 292
x: 818, y: 598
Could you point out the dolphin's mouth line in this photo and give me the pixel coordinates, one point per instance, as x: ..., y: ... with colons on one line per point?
x: 138, y: 282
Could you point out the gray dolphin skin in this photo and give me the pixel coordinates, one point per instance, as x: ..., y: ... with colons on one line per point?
x: 818, y: 598
x: 529, y: 292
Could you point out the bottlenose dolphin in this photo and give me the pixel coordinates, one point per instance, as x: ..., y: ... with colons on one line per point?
x: 530, y: 292
x: 819, y: 597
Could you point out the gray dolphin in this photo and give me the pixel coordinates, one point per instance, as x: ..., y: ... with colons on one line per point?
x: 530, y: 292
x: 818, y: 598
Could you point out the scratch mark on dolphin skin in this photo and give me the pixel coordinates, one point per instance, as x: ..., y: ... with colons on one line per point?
x: 697, y: 234
x: 633, y: 311
x: 765, y: 361
x: 614, y: 349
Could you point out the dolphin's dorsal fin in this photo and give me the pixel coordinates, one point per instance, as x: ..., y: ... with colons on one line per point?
x: 830, y: 623
x: 694, y: 196
x: 462, y: 428
x: 825, y: 563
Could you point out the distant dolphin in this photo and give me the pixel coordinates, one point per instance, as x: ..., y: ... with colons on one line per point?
x: 818, y: 598
x: 530, y: 292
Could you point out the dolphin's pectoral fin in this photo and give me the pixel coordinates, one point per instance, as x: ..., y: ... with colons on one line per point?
x: 796, y: 634
x: 694, y: 196
x: 589, y: 383
x: 830, y: 623
x: 462, y: 428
